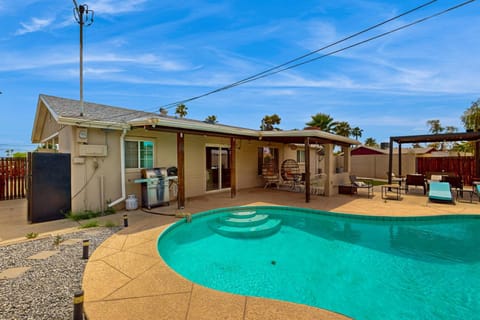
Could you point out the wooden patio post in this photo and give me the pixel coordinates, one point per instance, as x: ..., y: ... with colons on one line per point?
x: 233, y: 176
x: 181, y: 169
x: 307, y: 169
x: 399, y: 159
x: 390, y: 161
x: 477, y: 159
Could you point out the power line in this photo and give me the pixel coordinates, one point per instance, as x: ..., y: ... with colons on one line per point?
x: 278, y: 68
x: 270, y: 70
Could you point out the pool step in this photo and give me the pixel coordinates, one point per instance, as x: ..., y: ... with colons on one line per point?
x: 267, y: 228
x: 243, y: 214
x: 246, y: 224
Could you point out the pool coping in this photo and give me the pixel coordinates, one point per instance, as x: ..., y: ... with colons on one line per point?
x: 126, y: 278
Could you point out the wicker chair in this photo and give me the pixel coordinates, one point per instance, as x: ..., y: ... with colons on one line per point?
x: 270, y: 175
x: 290, y: 172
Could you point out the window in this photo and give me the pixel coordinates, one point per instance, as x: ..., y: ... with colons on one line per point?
x: 267, y: 155
x: 301, y: 156
x: 138, y: 154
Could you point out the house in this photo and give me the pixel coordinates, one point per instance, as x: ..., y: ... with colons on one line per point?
x: 109, y: 146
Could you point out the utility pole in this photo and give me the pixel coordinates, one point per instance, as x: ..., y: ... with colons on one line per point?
x: 83, y: 16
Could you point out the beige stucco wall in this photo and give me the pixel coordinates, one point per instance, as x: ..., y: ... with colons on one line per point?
x: 376, y: 166
x: 50, y: 127
x: 88, y: 171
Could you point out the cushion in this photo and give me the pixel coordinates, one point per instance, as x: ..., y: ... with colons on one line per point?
x: 360, y: 184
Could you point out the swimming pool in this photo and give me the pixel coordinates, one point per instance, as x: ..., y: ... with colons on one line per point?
x: 363, y: 267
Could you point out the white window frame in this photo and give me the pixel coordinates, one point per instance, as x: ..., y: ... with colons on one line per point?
x: 138, y: 140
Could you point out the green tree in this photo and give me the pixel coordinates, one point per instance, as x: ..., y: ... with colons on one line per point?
x: 343, y: 129
x: 471, y: 117
x: 465, y: 146
x: 416, y: 145
x: 435, y: 126
x: 357, y: 133
x: 371, y: 142
x: 211, y: 119
x: 20, y: 155
x: 323, y: 122
x: 181, y: 110
x: 269, y: 122
x: 451, y: 129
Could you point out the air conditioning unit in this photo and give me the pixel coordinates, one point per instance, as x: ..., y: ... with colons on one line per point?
x: 92, y: 150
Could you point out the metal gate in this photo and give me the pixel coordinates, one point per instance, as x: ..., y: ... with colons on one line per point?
x: 12, y: 178
x: 48, y: 186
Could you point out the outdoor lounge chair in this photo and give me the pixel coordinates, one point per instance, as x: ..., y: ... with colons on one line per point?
x: 362, y: 184
x: 440, y: 191
x: 416, y: 180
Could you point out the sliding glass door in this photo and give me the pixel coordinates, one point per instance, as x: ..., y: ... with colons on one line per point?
x: 218, y: 168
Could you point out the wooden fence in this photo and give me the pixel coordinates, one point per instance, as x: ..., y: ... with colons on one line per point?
x: 462, y: 166
x: 13, y: 172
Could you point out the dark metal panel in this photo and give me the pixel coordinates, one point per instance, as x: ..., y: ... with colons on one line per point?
x: 49, y: 186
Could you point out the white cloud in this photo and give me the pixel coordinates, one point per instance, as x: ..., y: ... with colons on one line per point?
x: 113, y: 7
x: 36, y: 24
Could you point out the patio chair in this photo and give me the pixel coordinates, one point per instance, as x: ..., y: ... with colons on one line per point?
x: 317, y: 184
x: 417, y: 180
x: 440, y: 191
x: 362, y: 184
x: 455, y: 182
x: 290, y: 172
x: 270, y: 176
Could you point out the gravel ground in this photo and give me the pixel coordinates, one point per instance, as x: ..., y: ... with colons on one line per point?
x: 46, y: 290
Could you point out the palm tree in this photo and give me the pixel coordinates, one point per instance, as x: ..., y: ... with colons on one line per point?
x: 268, y: 122
x: 357, y: 133
x: 323, y: 122
x: 435, y: 126
x: 181, y: 110
x: 371, y: 142
x: 343, y: 129
x: 211, y: 119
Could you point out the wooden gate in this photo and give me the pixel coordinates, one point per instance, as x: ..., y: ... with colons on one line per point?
x: 462, y: 166
x: 12, y: 178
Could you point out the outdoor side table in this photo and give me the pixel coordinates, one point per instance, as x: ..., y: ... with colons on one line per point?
x: 391, y: 191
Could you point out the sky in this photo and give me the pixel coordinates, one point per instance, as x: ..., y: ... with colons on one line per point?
x: 145, y: 54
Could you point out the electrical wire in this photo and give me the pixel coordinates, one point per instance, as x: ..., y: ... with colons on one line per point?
x: 276, y: 70
x: 273, y: 69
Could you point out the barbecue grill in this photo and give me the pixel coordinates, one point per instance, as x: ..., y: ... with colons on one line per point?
x: 155, y: 187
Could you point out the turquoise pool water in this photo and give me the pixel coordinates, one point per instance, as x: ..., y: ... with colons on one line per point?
x: 365, y: 268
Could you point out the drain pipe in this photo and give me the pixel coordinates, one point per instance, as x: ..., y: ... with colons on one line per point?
x: 122, y: 169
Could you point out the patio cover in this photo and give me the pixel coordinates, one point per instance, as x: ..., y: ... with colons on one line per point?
x: 456, y: 136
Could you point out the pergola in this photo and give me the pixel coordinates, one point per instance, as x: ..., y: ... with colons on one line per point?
x: 234, y: 134
x: 446, y: 137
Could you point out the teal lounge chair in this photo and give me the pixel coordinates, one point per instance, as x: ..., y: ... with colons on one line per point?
x: 440, y: 191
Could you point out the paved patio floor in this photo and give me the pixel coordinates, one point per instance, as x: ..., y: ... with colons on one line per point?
x: 126, y: 279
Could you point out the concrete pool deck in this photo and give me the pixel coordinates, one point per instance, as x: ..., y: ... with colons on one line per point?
x: 125, y: 277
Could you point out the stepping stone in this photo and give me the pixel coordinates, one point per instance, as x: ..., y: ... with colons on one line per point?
x: 13, y: 273
x: 43, y: 255
x: 70, y: 242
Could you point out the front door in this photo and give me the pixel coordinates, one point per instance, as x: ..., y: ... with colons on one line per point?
x: 218, y: 168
